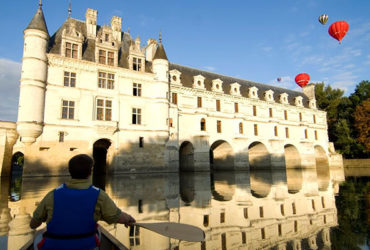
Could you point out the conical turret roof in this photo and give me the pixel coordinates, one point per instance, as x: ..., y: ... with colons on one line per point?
x: 160, y: 53
x: 38, y: 21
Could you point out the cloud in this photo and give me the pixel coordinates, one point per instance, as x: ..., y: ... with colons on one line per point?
x: 209, y: 68
x: 10, y: 74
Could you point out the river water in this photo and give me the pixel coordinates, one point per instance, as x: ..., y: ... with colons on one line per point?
x: 293, y: 209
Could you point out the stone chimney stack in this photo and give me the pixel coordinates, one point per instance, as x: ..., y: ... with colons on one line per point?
x: 116, y: 25
x: 150, y: 49
x: 91, y: 18
x: 309, y: 91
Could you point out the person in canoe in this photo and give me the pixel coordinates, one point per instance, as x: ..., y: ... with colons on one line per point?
x: 72, y: 210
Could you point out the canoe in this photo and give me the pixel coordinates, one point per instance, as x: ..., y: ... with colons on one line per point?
x: 108, y: 241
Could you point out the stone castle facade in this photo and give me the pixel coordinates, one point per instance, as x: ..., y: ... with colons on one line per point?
x: 96, y: 90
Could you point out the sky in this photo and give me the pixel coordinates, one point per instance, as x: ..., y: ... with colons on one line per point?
x: 253, y: 40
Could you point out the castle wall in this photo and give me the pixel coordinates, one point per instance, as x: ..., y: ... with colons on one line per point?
x: 8, y: 136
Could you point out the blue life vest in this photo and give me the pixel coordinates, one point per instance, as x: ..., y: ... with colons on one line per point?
x: 72, y: 225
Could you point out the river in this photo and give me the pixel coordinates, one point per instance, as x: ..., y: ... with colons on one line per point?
x: 293, y: 209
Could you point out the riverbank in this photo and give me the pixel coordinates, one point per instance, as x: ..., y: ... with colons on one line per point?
x: 356, y: 167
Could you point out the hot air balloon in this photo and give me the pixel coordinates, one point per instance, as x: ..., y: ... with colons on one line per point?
x: 302, y: 79
x: 338, y: 30
x: 323, y: 19
x: 279, y: 79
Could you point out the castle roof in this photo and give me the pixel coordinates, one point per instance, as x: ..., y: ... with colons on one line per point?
x: 160, y: 53
x: 38, y: 21
x: 187, y: 73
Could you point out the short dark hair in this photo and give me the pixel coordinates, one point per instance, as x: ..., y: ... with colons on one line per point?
x: 79, y: 166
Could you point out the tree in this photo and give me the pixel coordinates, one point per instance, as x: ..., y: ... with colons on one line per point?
x: 362, y: 123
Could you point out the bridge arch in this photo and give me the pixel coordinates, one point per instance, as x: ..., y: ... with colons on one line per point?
x: 293, y: 168
x: 322, y: 168
x: 186, y: 156
x: 221, y: 155
x: 258, y: 156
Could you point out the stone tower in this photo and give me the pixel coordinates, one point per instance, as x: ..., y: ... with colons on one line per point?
x: 160, y: 63
x: 33, y: 79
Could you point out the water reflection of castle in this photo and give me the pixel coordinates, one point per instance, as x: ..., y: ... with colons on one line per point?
x: 257, y: 210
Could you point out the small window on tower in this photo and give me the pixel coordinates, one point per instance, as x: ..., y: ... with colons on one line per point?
x: 61, y: 136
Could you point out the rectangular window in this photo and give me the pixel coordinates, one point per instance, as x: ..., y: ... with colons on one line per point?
x: 71, y: 50
x: 74, y: 51
x: 280, y: 230
x: 270, y: 112
x: 206, y: 220
x: 105, y: 80
x: 170, y: 122
x: 241, y: 128
x: 293, y: 208
x: 295, y: 226
x: 323, y: 202
x: 313, y: 205
x: 134, y: 236
x: 102, y: 56
x: 136, y: 116
x: 174, y: 98
x: 282, y: 209
x: 314, y: 118
x: 255, y: 129
x: 69, y: 79
x: 254, y: 110
x: 218, y: 126
x: 68, y: 109
x: 305, y: 134
x: 316, y: 135
x: 246, y: 213
x: 324, y: 219
x: 285, y: 115
x: 61, y: 136
x: 199, y: 102
x: 136, y: 89
x: 136, y: 64
x: 287, y: 132
x: 103, y: 110
x: 300, y: 117
x: 261, y: 212
x: 276, y: 131
x: 223, y: 241
x: 244, y: 238
x: 222, y: 217
x: 203, y: 124
x: 141, y: 142
x: 263, y: 235
x: 218, y: 105
x: 110, y: 58
x: 236, y: 107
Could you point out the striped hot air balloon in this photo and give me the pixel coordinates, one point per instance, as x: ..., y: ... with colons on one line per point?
x: 323, y: 19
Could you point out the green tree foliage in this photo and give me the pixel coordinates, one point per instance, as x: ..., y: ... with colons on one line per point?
x: 362, y: 123
x: 342, y: 129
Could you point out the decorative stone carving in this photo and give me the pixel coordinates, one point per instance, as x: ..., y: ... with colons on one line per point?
x: 175, y: 77
x: 298, y: 101
x: 284, y: 98
x: 199, y: 82
x: 269, y: 95
x: 235, y: 89
x: 217, y: 86
x: 253, y: 92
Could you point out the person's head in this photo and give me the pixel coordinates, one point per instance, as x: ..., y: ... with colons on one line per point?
x: 80, y: 166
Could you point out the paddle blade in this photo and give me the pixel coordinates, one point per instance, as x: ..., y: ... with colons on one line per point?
x: 175, y: 230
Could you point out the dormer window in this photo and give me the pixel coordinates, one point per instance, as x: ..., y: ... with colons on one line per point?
x: 198, y: 82
x: 284, y: 98
x: 136, y: 64
x: 298, y: 101
x: 71, y: 50
x: 235, y: 89
x: 253, y: 92
x: 106, y: 57
x: 217, y: 85
x: 312, y: 104
x: 269, y: 95
x: 175, y: 76
x: 71, y: 42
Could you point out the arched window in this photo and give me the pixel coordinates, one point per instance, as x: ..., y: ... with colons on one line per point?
x: 203, y: 124
x: 241, y: 128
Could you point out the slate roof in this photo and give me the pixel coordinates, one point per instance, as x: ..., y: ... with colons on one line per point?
x: 187, y: 73
x: 38, y: 21
x: 187, y: 80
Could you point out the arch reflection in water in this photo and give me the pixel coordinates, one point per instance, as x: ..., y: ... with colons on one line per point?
x: 293, y: 168
x: 221, y: 204
x: 322, y: 168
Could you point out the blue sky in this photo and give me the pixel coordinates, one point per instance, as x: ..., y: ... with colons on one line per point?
x: 254, y: 40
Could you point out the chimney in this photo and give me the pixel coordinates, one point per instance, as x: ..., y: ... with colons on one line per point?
x: 150, y: 49
x: 309, y: 91
x: 116, y: 25
x: 91, y: 17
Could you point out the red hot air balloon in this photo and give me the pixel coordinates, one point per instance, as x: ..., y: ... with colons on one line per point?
x: 338, y: 30
x: 302, y: 79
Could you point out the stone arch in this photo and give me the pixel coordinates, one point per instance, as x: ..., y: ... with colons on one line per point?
x: 221, y: 156
x: 322, y: 168
x: 258, y: 156
x: 100, y: 149
x: 293, y: 168
x: 186, y: 156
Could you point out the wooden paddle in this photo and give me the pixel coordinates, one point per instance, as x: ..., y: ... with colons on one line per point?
x: 178, y: 231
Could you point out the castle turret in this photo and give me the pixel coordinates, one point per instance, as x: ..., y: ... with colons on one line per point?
x: 160, y: 63
x: 33, y: 79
